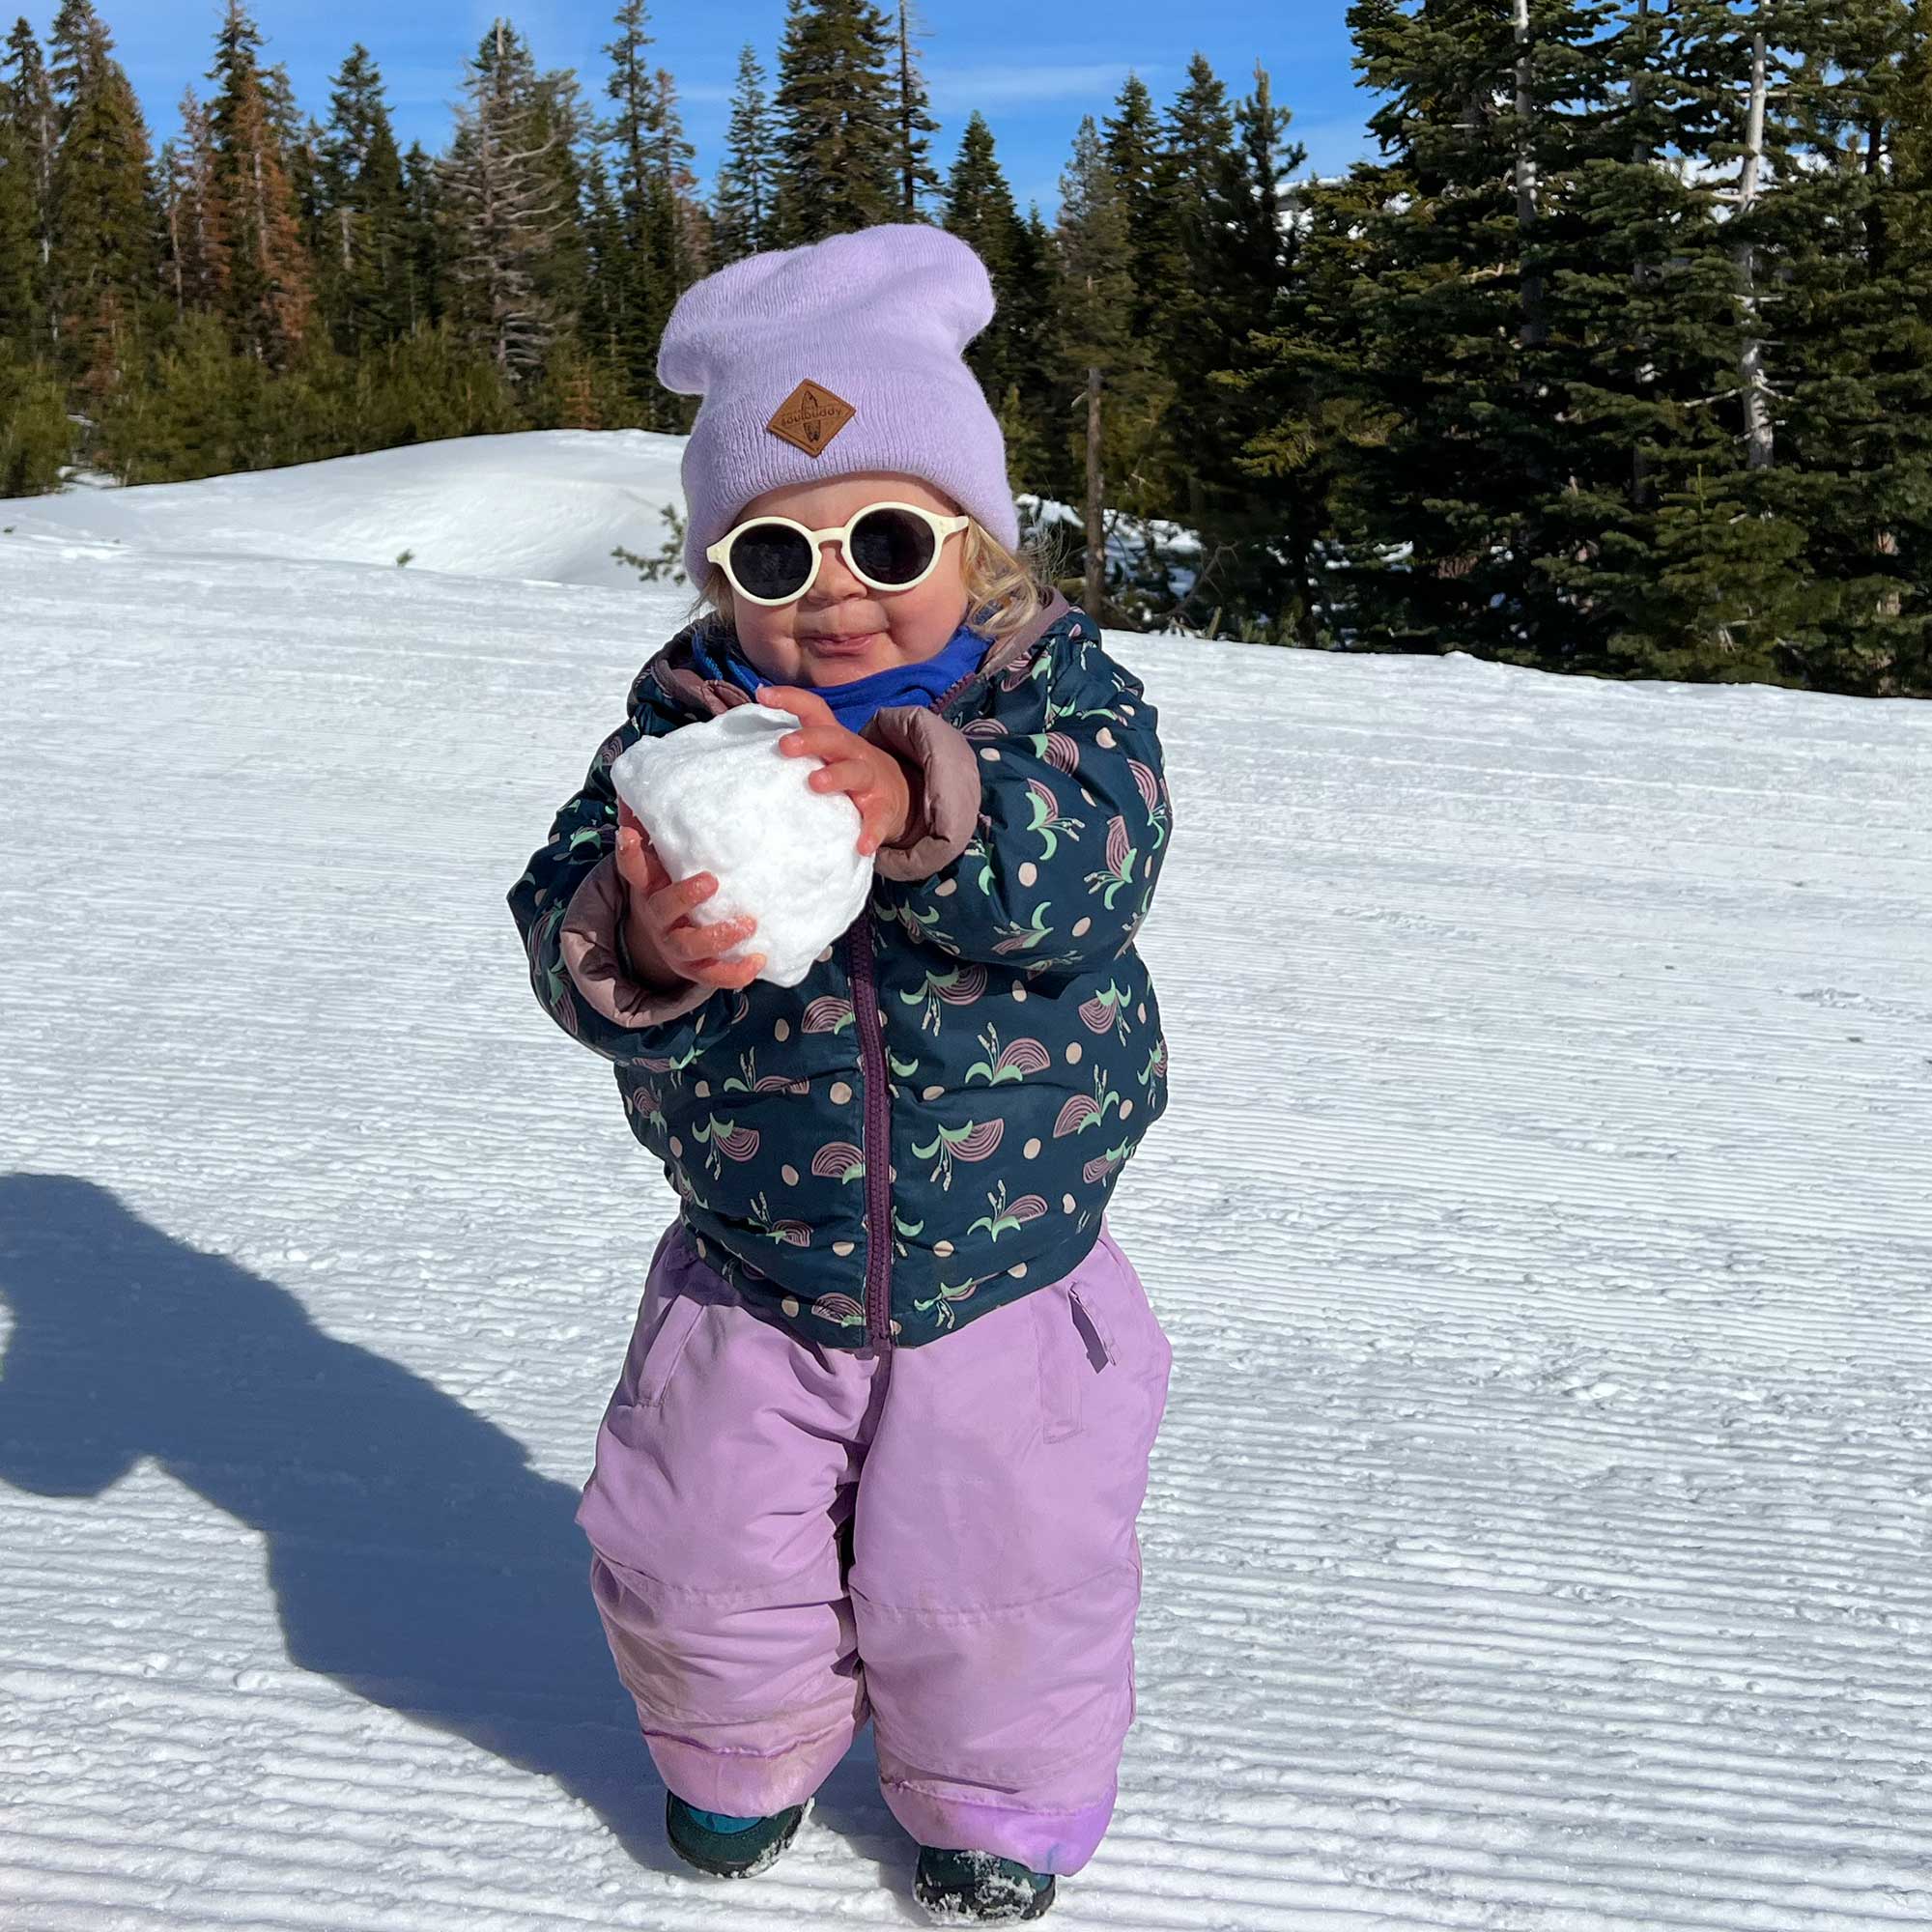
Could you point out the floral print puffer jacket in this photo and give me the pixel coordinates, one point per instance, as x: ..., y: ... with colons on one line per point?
x: 931, y: 1124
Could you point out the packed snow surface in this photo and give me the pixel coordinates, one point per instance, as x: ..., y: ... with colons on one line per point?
x: 722, y: 798
x: 1539, y: 1538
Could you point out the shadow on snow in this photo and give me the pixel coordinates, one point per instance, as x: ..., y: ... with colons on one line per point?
x: 416, y: 1556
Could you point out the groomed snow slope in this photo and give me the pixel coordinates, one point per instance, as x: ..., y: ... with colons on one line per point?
x: 1539, y: 1540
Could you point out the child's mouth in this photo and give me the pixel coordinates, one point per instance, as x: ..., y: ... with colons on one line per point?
x: 854, y: 645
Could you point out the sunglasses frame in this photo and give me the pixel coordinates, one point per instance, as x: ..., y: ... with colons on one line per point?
x: 941, y: 526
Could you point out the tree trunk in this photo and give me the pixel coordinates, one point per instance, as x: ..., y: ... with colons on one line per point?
x: 1876, y: 250
x: 1759, y: 448
x: 1535, y: 326
x: 907, y: 196
x: 1097, y: 538
x: 1640, y: 154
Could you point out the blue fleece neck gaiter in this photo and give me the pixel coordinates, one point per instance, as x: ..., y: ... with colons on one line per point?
x: 855, y: 705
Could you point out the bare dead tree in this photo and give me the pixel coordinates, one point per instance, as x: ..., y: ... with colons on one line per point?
x: 503, y: 208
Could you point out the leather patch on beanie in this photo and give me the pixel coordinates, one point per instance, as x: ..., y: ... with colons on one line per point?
x: 809, y: 418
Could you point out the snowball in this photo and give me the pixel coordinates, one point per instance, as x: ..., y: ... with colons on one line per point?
x: 722, y: 798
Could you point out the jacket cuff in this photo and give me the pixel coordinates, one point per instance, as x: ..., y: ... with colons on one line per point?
x: 944, y: 776
x: 590, y: 941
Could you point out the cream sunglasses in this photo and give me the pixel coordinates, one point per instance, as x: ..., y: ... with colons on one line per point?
x: 887, y: 545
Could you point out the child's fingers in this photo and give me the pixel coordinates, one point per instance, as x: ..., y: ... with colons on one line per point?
x: 669, y: 903
x: 638, y: 863
x: 727, y: 973
x: 851, y: 774
x: 807, y: 706
x: 635, y: 861
x: 829, y: 742
x: 694, y: 945
x: 874, y: 821
x: 633, y: 867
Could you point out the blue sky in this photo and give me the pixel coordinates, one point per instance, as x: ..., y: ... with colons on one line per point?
x: 1032, y: 69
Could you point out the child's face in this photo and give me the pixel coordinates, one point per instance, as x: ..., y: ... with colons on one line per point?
x: 841, y: 629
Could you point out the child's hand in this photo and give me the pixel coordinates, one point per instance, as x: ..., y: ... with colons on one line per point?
x: 874, y: 779
x: 663, y: 943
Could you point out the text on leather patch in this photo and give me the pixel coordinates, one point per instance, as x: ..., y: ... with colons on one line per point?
x: 809, y: 418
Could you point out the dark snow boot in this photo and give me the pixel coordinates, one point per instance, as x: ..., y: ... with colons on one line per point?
x: 979, y: 1888
x: 756, y: 1843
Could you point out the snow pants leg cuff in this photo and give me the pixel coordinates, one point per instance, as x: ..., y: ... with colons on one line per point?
x: 745, y: 1784
x: 1057, y: 1841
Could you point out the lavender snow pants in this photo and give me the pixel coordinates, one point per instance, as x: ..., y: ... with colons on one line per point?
x: 989, y: 1483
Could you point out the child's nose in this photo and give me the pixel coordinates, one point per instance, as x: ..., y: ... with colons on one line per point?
x: 835, y: 580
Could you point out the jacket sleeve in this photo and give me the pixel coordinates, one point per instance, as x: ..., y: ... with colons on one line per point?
x: 568, y: 906
x: 1049, y: 861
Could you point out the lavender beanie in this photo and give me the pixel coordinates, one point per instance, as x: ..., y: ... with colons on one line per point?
x: 834, y: 359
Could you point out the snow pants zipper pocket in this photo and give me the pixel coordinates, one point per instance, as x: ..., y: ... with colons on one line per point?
x: 1075, y: 1346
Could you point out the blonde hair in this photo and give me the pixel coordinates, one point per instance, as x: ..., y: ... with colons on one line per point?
x: 1006, y: 589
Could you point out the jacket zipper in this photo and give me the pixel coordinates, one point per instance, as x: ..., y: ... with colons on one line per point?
x: 878, y: 1139
x: 877, y: 1146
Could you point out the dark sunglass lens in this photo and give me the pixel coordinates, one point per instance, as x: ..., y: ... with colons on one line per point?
x: 771, y: 560
x: 892, y: 546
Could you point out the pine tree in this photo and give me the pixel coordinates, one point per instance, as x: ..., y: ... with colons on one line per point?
x: 1901, y: 253
x: 196, y: 262
x: 299, y: 141
x: 1261, y: 242
x: 424, y: 237
x: 743, y: 205
x: 913, y: 124
x: 268, y: 294
x: 603, y: 327
x: 363, y: 252
x: 77, y: 43
x: 1851, y: 348
x: 36, y: 123
x: 1315, y: 408
x: 639, y: 277
x: 978, y: 204
x: 19, y: 237
x: 1908, y: 225
x: 837, y: 148
x: 101, y: 269
x: 1639, y: 298
x: 684, y: 247
x: 632, y: 132
x: 564, y: 119
x: 1191, y: 197
x: 1260, y: 541
x: 1725, y: 589
x: 1732, y: 65
x: 1096, y: 342
x: 631, y: 298
x: 1132, y: 139
x: 979, y: 210
x: 504, y: 209
x: 36, y: 436
x: 1449, y: 499
x: 1108, y: 189
x: 1035, y: 402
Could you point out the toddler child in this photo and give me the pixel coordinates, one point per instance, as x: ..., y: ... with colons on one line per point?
x: 883, y: 1429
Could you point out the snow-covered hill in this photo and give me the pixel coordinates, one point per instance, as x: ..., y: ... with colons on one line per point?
x: 551, y: 506
x: 1540, y: 1536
